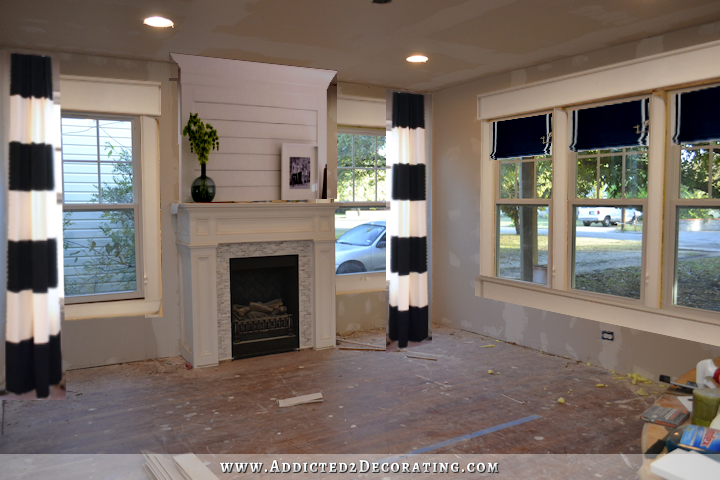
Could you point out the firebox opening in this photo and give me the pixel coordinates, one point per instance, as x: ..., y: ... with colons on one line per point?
x: 264, y: 293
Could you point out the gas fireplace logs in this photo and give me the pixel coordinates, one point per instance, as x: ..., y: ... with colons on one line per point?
x: 257, y: 310
x: 260, y: 317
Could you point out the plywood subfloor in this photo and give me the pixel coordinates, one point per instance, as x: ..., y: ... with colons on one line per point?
x: 374, y: 402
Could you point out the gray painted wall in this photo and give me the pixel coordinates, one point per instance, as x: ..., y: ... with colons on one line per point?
x: 106, y: 341
x: 456, y: 230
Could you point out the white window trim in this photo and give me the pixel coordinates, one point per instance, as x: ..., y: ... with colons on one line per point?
x: 651, y: 75
x: 368, y: 131
x: 360, y: 282
x: 69, y: 207
x: 109, y: 96
x: 672, y: 201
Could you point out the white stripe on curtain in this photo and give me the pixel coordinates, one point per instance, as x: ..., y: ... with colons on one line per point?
x: 32, y: 121
x: 415, y: 284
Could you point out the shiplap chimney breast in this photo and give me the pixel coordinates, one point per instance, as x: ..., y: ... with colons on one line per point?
x: 255, y: 107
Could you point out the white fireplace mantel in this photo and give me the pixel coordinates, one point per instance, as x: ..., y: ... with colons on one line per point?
x: 201, y: 227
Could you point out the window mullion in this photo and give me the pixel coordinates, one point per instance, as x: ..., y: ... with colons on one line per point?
x: 353, y: 168
x: 376, y: 177
x: 97, y: 133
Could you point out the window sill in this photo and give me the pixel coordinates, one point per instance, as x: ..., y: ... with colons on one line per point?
x: 679, y: 324
x: 359, y: 283
x: 121, y: 308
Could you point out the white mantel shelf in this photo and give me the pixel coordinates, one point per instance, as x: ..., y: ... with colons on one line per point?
x: 201, y: 227
x: 205, y: 224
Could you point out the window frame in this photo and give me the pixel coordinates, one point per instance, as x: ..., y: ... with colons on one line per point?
x: 142, y: 100
x: 363, y: 131
x: 574, y: 203
x: 545, y: 202
x: 350, y: 283
x: 671, y: 204
x: 136, y: 206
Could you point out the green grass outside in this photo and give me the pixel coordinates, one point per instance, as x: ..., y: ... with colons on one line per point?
x: 507, y: 222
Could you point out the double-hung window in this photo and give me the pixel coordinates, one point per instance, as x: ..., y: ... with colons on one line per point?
x: 101, y: 206
x: 610, y: 157
x: 360, y: 221
x: 522, y: 148
x: 693, y: 202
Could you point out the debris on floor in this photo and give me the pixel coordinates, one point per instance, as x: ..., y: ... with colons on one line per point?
x: 367, y: 345
x: 301, y: 400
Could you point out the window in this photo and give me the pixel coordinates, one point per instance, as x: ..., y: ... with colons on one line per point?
x: 522, y: 228
x: 695, y: 210
x: 101, y: 205
x: 635, y: 196
x: 607, y: 233
x: 360, y: 221
x: 361, y: 167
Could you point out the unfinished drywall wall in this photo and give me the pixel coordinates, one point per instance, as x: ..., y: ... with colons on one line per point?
x: 360, y: 311
x: 106, y: 341
x: 456, y: 231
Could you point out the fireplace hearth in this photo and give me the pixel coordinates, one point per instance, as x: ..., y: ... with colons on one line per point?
x: 265, y: 309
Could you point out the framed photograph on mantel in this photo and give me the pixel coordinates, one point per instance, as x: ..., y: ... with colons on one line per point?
x: 298, y: 172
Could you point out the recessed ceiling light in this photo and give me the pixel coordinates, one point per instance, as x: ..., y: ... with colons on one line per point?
x: 417, y: 59
x: 382, y: 1
x: 160, y: 22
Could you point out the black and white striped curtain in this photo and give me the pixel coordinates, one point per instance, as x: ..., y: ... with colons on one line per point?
x: 32, y: 341
x: 407, y: 222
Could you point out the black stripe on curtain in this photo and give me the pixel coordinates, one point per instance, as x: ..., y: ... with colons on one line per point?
x: 408, y: 110
x: 33, y: 366
x: 31, y: 167
x: 408, y: 182
x: 610, y: 126
x: 410, y: 325
x: 696, y: 117
x: 31, y: 76
x: 522, y: 137
x: 32, y: 265
x: 408, y: 255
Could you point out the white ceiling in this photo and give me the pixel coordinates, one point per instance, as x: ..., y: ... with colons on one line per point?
x: 366, y: 43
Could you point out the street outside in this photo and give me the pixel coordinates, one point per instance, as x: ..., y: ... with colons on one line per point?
x: 608, y: 260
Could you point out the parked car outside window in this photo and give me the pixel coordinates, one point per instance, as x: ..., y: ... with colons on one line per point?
x: 361, y: 249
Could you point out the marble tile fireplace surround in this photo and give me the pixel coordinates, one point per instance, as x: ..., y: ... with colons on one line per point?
x: 210, y: 235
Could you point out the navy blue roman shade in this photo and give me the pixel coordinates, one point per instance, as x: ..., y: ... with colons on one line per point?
x: 610, y: 126
x: 522, y: 137
x: 696, y: 117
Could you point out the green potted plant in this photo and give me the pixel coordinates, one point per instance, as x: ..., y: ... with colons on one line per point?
x: 203, y: 138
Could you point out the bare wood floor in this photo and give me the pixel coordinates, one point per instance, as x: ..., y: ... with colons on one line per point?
x: 375, y: 402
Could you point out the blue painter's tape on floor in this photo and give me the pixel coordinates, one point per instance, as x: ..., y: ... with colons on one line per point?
x: 469, y: 436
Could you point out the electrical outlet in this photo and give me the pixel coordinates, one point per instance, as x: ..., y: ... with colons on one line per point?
x: 608, y: 335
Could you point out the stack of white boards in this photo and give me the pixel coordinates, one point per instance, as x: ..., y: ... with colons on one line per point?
x: 683, y: 465
x: 184, y: 467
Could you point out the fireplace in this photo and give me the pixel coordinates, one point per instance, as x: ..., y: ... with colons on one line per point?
x: 210, y: 235
x: 264, y: 293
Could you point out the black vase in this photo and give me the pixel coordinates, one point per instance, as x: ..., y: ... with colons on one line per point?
x: 203, y: 188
